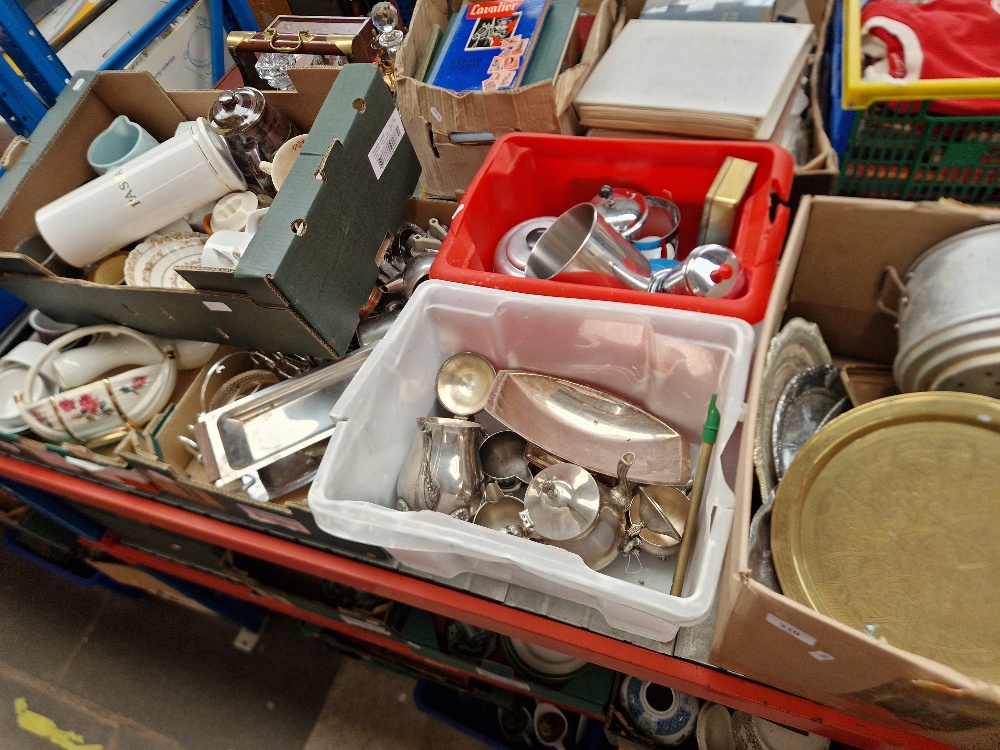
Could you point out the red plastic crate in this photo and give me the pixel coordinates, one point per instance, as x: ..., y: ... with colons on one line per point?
x: 526, y: 175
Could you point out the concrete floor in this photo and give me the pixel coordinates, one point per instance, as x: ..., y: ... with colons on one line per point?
x: 90, y: 669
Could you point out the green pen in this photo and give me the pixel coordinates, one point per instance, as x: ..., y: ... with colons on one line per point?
x: 708, y: 435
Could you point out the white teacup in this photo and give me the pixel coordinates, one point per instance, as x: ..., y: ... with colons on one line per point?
x: 48, y: 330
x: 101, y: 411
x: 550, y: 726
x: 279, y: 167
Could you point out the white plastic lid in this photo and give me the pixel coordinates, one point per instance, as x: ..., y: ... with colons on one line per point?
x: 232, y: 211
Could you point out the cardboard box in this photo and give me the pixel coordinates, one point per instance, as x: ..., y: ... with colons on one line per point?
x: 437, y: 119
x: 831, y: 275
x: 311, y: 266
x: 165, y: 462
x: 818, y: 175
x: 130, y: 575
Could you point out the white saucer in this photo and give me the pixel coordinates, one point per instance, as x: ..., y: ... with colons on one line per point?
x: 154, y: 263
x: 12, y: 381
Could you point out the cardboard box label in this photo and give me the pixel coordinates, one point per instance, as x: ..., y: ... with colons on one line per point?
x: 791, y: 630
x: 386, y: 143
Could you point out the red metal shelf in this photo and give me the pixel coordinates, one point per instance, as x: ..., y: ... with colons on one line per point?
x: 706, y: 682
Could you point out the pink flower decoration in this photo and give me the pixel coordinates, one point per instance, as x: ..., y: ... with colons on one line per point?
x: 138, y: 382
x: 89, y: 404
x: 67, y: 404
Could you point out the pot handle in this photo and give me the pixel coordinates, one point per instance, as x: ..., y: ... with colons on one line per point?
x: 890, y: 273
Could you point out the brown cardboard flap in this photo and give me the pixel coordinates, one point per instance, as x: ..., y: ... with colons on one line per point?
x: 140, y: 97
x: 432, y: 115
x: 212, y: 279
x: 301, y: 105
x: 841, y: 268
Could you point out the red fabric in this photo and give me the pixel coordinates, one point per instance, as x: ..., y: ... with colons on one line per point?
x: 959, y: 39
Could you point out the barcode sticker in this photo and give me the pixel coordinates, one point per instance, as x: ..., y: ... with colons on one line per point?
x: 791, y: 630
x: 386, y: 143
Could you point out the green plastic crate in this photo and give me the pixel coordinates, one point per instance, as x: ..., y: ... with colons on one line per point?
x: 899, y: 150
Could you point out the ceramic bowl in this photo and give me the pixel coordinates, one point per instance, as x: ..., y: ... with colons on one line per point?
x: 665, y: 715
x: 753, y: 733
x: 714, y: 729
x: 541, y: 664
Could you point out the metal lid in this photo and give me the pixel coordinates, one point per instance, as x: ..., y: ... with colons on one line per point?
x: 623, y: 209
x: 563, y: 502
x: 709, y: 271
x: 971, y: 238
x: 218, y: 156
x: 512, y: 251
x: 237, y: 110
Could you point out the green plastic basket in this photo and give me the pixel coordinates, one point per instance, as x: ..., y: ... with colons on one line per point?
x: 899, y: 150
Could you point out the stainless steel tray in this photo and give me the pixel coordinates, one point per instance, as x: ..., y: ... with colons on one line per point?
x: 277, y: 424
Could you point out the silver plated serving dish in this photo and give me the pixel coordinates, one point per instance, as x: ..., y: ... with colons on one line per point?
x: 589, y: 427
x: 797, y: 345
x: 273, y: 425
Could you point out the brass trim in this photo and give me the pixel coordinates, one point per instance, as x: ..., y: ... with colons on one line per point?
x: 118, y: 407
x: 105, y: 439
x: 235, y: 38
x: 271, y: 36
x: 65, y: 426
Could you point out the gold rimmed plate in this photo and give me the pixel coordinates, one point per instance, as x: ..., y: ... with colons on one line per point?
x: 887, y: 521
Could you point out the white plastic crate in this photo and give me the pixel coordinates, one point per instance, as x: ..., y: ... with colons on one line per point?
x: 668, y: 361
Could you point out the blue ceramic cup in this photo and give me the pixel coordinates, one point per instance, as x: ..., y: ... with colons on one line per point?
x: 120, y: 142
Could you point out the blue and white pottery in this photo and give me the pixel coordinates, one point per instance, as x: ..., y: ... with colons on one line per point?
x: 665, y: 715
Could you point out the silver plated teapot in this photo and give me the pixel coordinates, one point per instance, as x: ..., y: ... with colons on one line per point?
x: 567, y: 507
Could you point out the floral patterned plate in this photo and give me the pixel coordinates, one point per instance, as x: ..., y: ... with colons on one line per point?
x: 153, y: 263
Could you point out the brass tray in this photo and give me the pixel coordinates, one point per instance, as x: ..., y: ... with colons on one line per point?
x: 888, y: 521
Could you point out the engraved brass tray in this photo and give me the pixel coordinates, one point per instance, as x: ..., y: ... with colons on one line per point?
x: 888, y: 520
